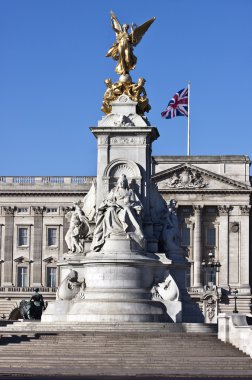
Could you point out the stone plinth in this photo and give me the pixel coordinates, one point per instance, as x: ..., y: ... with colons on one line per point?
x: 117, y: 288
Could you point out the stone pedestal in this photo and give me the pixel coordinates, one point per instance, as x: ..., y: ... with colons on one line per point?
x: 118, y: 281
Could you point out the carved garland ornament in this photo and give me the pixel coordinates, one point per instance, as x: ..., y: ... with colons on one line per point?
x: 210, y: 308
x: 245, y: 210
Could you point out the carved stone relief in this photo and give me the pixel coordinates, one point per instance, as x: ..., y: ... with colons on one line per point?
x: 38, y: 210
x: 9, y: 210
x: 234, y: 227
x: 123, y: 120
x: 125, y: 140
x: 70, y: 287
x: 210, y: 308
x: 245, y: 210
x: 223, y: 209
x: 210, y: 301
x: 188, y: 178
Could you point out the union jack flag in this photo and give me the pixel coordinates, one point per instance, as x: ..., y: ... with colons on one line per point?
x: 178, y: 105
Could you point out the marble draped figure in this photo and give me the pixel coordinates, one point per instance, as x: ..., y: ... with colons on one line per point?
x: 78, y: 229
x: 119, y: 214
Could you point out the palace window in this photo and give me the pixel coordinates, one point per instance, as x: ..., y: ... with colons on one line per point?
x: 185, y: 235
x: 210, y: 276
x: 22, y: 236
x: 22, y: 210
x: 52, y: 236
x: 51, y: 277
x: 211, y: 210
x: 211, y: 237
x: 22, y: 278
x: 51, y: 210
x: 186, y: 210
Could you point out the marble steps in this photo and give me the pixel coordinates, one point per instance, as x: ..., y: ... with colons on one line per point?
x: 114, y: 353
x: 6, y: 306
x: 32, y: 326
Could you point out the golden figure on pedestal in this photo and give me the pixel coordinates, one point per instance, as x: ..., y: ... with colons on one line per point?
x: 122, y: 51
x: 135, y: 92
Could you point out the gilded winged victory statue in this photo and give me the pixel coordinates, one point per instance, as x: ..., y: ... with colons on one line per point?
x: 122, y: 49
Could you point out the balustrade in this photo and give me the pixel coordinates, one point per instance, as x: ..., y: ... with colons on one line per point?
x: 30, y: 180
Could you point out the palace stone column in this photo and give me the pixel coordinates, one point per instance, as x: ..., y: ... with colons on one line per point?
x: 197, y: 247
x: 37, y: 246
x: 8, y: 246
x: 244, y: 255
x: 224, y: 245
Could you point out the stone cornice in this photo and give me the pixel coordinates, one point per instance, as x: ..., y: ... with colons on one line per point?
x: 202, y: 159
x: 204, y: 191
x: 148, y: 130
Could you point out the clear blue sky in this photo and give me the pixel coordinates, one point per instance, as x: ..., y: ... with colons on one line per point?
x: 53, y: 65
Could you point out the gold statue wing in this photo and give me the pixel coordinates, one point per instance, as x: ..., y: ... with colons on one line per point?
x: 137, y: 34
x: 115, y: 23
x: 116, y: 26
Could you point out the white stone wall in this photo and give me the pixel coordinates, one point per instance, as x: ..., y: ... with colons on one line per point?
x: 224, y: 185
x: 37, y: 206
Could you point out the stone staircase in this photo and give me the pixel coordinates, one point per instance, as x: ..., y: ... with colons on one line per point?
x: 243, y: 305
x: 129, y: 349
x: 6, y: 306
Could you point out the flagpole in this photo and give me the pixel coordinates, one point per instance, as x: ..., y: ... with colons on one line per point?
x: 188, y: 121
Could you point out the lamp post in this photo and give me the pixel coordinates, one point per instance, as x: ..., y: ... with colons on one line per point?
x: 211, y: 266
x: 234, y: 293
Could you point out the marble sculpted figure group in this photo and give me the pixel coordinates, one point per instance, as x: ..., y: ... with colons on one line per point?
x: 120, y: 213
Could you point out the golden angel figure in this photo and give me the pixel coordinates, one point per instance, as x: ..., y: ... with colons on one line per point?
x: 122, y: 49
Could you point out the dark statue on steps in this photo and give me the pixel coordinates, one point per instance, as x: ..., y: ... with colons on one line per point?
x: 32, y: 309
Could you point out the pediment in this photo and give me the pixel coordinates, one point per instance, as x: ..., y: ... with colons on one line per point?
x: 190, y: 177
x: 50, y: 260
x: 22, y: 259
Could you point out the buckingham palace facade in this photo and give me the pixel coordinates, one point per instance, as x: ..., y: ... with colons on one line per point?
x: 213, y: 195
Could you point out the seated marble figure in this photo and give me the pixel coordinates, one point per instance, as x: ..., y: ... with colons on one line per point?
x: 119, y: 214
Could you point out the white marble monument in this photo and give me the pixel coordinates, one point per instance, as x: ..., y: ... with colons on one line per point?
x: 125, y: 262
